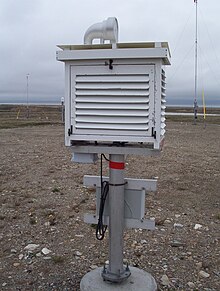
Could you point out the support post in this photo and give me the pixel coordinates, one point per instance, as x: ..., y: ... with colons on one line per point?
x: 116, y: 272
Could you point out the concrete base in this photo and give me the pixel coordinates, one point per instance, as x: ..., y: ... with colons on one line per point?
x: 138, y: 281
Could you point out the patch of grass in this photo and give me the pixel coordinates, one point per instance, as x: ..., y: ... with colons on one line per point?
x: 218, y: 216
x: 55, y: 190
x: 58, y: 259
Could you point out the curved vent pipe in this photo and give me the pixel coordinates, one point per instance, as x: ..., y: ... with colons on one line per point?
x: 106, y: 30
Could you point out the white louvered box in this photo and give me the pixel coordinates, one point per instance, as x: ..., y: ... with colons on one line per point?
x: 115, y: 93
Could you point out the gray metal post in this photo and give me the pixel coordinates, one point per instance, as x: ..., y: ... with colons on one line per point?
x: 116, y: 272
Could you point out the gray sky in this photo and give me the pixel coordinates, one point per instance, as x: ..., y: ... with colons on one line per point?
x: 31, y: 29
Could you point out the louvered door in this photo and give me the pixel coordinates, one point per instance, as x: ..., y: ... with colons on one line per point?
x: 117, y: 102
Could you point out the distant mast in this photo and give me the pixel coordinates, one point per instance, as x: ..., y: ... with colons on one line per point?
x: 196, y: 64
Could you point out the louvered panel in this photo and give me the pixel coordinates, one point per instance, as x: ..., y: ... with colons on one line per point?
x: 114, y: 102
x: 163, y: 101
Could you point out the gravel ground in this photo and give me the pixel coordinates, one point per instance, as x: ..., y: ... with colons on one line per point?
x: 44, y: 243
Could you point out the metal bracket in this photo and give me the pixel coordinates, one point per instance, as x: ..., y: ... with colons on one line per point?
x: 115, y: 278
x: 148, y: 224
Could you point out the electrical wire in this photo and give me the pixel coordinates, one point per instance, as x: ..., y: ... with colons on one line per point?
x: 101, y: 228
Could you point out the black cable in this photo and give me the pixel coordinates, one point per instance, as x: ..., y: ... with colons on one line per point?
x: 101, y: 228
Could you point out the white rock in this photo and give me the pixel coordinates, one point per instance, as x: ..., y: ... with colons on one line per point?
x: 177, y: 215
x: 78, y: 253
x: 191, y: 285
x: 143, y: 241
x: 4, y: 284
x: 47, y: 258
x: 178, y: 225
x: 165, y: 281
x: 197, y: 226
x: 20, y: 257
x: 167, y: 221
x: 45, y: 251
x: 203, y: 274
x: 31, y: 247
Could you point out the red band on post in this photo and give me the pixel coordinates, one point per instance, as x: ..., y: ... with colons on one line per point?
x: 116, y: 165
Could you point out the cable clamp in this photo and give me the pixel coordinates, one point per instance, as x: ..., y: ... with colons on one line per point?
x: 122, y: 184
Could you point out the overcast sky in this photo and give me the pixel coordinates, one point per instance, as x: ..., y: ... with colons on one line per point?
x: 31, y: 29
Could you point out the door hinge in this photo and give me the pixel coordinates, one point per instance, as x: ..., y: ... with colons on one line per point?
x: 70, y: 130
x: 109, y: 64
x: 154, y: 133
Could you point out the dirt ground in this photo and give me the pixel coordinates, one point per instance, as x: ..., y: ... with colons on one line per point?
x: 43, y: 201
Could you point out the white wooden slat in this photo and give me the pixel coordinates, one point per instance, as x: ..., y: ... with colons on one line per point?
x: 162, y: 132
x: 109, y: 112
x: 115, y: 105
x: 117, y: 92
x: 121, y: 78
x: 112, y: 119
x: 112, y: 99
x: 111, y: 86
x: 116, y: 127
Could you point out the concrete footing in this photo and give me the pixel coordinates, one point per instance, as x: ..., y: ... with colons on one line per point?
x: 138, y: 281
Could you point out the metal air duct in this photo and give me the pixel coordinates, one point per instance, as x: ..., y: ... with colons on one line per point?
x: 106, y: 30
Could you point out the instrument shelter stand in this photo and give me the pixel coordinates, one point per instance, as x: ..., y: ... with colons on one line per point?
x: 116, y: 276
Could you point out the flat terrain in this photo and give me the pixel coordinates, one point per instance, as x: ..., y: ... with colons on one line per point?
x: 43, y: 201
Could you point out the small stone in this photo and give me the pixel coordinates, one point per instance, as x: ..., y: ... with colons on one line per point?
x: 31, y: 247
x: 199, y: 265
x: 78, y: 254
x: 197, y: 226
x: 167, y: 221
x: 4, y: 284
x: 165, y: 281
x: 191, y: 285
x: 45, y: 251
x: 16, y: 264
x: 178, y: 225
x: 143, y: 242
x: 13, y: 251
x: 203, y: 274
x: 176, y: 244
x: 177, y: 215
x: 47, y: 258
x: 20, y: 257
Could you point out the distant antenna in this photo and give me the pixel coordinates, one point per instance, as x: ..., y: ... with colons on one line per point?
x: 196, y: 64
x: 27, y: 76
